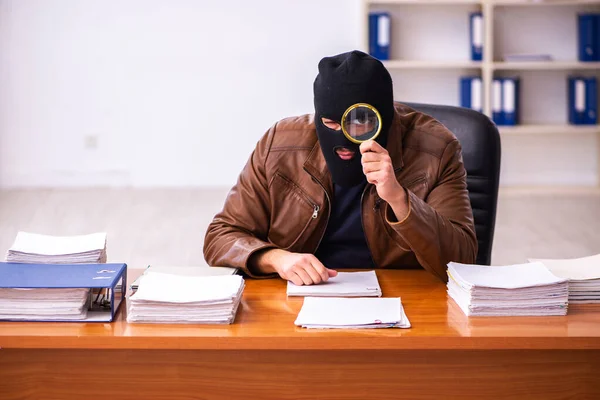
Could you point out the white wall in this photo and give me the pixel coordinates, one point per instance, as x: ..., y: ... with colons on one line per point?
x: 173, y: 92
x: 177, y: 92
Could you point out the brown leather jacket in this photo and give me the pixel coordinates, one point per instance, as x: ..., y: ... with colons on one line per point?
x: 282, y: 199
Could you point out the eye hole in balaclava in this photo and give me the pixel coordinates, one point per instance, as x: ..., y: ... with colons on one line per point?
x: 344, y: 80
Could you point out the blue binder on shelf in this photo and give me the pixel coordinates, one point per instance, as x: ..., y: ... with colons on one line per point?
x: 380, y: 32
x: 471, y: 93
x: 476, y: 36
x: 583, y: 100
x: 591, y: 101
x: 106, y: 282
x: 589, y: 37
x: 497, y: 113
x: 510, y: 101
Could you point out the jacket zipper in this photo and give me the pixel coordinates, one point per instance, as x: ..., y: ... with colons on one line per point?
x: 316, y: 208
x: 315, y: 213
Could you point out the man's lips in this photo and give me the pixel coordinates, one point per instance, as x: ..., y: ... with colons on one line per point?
x: 344, y: 153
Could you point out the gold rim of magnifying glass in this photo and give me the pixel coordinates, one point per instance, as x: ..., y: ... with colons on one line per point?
x: 370, y: 107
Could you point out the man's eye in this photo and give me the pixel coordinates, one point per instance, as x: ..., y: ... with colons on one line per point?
x: 361, y: 120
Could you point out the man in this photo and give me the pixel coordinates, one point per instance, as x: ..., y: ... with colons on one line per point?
x: 310, y: 199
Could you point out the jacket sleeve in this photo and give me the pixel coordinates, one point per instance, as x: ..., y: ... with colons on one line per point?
x: 241, y: 227
x: 440, y: 229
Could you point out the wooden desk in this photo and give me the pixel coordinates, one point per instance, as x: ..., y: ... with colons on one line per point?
x: 264, y: 356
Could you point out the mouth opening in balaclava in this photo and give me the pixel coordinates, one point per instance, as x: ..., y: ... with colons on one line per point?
x: 344, y: 80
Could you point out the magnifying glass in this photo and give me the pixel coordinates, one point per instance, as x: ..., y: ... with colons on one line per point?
x: 361, y: 122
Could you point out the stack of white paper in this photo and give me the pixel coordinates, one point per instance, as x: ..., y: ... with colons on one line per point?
x: 344, y: 313
x: 200, y: 270
x: 345, y: 284
x: 43, y: 304
x: 168, y: 298
x: 44, y: 249
x: 525, y: 289
x: 583, y: 275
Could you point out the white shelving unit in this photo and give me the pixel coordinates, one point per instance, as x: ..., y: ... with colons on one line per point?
x: 430, y: 50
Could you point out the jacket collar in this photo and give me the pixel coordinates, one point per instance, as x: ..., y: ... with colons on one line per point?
x: 316, y: 166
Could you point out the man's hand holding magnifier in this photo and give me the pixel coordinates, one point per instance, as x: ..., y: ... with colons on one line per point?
x: 379, y: 170
x: 361, y: 124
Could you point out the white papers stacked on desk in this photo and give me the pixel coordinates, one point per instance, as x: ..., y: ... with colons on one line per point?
x: 583, y: 275
x: 43, y: 304
x: 44, y: 249
x: 199, y: 270
x: 345, y: 284
x: 514, y: 290
x: 168, y: 298
x: 350, y: 313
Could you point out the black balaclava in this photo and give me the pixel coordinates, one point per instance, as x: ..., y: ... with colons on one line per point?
x: 344, y: 80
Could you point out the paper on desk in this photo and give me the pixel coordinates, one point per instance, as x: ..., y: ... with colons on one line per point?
x: 168, y: 298
x: 352, y: 313
x: 576, y: 269
x: 159, y: 287
x: 503, y: 277
x: 199, y: 270
x: 45, y: 249
x: 583, y: 275
x: 511, y: 290
x: 58, y: 245
x: 345, y: 284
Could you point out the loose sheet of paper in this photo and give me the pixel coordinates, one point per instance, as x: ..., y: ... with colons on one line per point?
x: 348, y: 313
x: 345, y: 284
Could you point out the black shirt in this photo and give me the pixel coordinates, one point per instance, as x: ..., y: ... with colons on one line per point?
x: 344, y: 244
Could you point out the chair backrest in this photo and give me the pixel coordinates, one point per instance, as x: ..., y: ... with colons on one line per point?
x: 480, y: 142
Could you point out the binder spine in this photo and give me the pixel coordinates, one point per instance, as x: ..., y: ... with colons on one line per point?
x: 380, y: 35
x: 510, y: 101
x: 476, y: 36
x: 589, y: 40
x: 591, y: 101
x: 576, y: 100
x: 497, y: 114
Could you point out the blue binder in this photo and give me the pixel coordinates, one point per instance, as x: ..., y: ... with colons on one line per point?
x: 380, y: 35
x: 476, y: 36
x: 591, y: 101
x: 510, y: 101
x: 577, y: 100
x: 64, y: 276
x: 471, y: 93
x: 583, y: 100
x: 497, y: 113
x: 589, y: 37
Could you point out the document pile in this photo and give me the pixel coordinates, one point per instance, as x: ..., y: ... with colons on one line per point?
x: 199, y: 270
x: 583, y: 275
x: 168, y: 298
x: 514, y: 290
x: 43, y: 304
x: 44, y: 249
x: 359, y: 313
x: 345, y: 284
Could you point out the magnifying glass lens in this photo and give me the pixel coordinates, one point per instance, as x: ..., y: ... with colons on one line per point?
x: 361, y: 123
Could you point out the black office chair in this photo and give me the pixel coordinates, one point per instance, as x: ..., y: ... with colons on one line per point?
x: 480, y: 143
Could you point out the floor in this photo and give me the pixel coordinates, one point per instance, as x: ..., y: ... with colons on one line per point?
x: 166, y: 226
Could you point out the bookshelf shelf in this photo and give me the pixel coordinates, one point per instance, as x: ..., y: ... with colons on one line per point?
x: 424, y: 64
x: 541, y: 3
x: 557, y: 129
x: 546, y: 65
x: 499, y: 3
x: 424, y: 2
